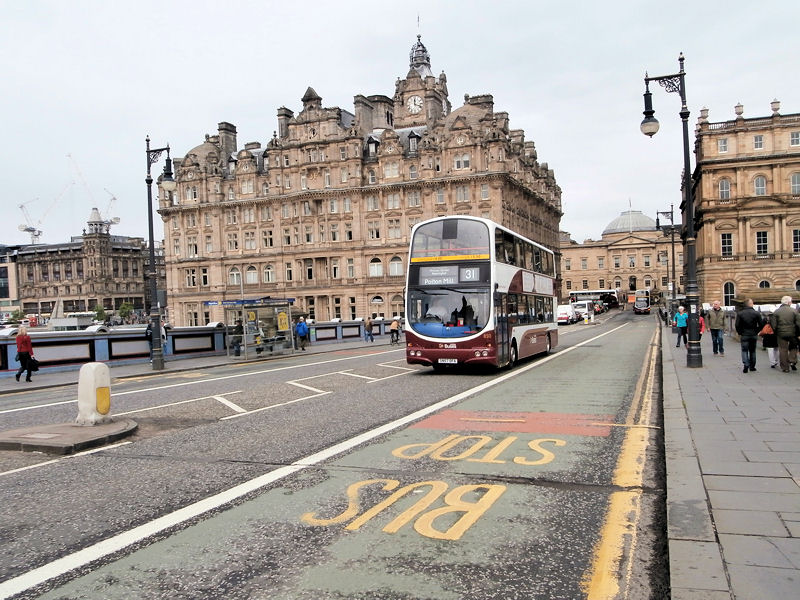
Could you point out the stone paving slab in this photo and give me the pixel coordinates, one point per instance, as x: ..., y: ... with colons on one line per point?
x: 65, y: 438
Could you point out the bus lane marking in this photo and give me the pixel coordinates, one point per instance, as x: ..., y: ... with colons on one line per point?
x: 613, y: 554
x: 127, y: 538
x: 520, y: 422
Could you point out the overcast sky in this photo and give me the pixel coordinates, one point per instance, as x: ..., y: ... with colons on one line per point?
x: 90, y: 79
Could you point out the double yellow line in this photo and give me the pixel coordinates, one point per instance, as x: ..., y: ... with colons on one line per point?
x: 614, y: 552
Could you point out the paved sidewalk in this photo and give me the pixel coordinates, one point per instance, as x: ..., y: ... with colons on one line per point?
x: 733, y: 476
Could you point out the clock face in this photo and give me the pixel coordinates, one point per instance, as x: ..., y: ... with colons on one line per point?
x: 414, y: 104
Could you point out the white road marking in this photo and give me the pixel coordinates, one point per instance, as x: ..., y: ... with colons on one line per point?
x: 63, y: 458
x: 229, y: 404
x: 159, y: 406
x: 203, y: 381
x: 355, y: 375
x: 122, y: 540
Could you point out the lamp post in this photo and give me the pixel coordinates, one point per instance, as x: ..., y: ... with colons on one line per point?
x: 649, y: 127
x: 169, y: 185
x: 669, y: 230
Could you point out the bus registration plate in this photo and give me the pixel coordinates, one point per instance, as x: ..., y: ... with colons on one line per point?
x: 448, y: 361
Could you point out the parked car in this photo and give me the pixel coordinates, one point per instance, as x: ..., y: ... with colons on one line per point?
x: 584, y: 308
x: 566, y: 315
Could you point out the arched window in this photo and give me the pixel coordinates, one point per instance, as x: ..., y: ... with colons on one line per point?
x: 269, y: 274
x: 375, y: 268
x: 728, y: 293
x: 234, y: 276
x: 618, y: 284
x: 371, y: 176
x: 763, y: 284
x: 795, y: 183
x: 724, y: 189
x: 397, y: 306
x: 760, y: 185
x: 797, y: 284
x: 396, y: 266
x: 412, y: 172
x: 251, y: 275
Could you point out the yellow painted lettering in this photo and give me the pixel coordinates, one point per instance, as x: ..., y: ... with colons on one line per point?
x: 472, y: 511
x: 536, y: 445
x: 352, y: 503
x: 493, y: 453
x: 401, y: 452
x: 482, y: 440
x: 437, y: 489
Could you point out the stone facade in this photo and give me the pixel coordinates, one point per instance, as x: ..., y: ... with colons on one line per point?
x: 93, y: 269
x: 322, y: 212
x: 632, y: 254
x: 749, y: 200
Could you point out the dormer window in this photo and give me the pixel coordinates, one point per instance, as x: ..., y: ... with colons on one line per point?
x: 412, y: 143
x: 372, y: 147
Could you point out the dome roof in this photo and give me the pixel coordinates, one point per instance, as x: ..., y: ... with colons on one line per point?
x: 630, y: 220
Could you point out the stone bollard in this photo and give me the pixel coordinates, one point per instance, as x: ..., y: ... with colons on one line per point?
x: 94, y: 394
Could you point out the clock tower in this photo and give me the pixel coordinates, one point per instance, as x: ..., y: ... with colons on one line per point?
x: 420, y: 99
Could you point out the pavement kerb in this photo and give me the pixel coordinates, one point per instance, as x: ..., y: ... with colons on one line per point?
x: 697, y: 569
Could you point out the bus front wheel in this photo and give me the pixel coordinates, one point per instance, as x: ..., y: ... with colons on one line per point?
x: 512, y: 359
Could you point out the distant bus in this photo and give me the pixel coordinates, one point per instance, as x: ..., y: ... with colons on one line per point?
x: 477, y: 293
x: 641, y: 302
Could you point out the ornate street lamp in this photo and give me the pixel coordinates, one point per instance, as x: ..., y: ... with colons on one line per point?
x: 649, y: 127
x: 168, y: 185
x: 670, y: 231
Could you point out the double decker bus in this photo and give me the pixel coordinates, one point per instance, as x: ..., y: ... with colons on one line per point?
x: 477, y: 293
x: 641, y: 302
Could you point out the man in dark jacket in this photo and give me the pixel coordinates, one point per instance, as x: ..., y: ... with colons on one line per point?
x: 785, y: 323
x: 715, y: 321
x: 748, y: 323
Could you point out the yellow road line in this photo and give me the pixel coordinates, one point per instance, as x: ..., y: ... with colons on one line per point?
x: 614, y: 552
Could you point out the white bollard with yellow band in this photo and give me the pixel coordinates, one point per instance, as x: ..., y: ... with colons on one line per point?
x: 94, y: 394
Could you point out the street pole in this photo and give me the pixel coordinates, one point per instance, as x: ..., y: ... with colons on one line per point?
x: 155, y: 316
x: 649, y: 127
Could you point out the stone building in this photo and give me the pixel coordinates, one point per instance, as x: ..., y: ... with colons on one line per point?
x: 631, y: 254
x: 322, y: 212
x: 747, y: 193
x: 92, y: 269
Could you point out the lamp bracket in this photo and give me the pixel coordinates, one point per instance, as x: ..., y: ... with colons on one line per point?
x: 671, y: 83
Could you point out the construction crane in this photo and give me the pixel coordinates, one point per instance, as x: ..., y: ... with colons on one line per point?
x: 80, y: 176
x: 33, y: 228
x: 107, y: 217
x: 28, y: 226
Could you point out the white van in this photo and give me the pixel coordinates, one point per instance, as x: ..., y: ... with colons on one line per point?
x: 585, y: 308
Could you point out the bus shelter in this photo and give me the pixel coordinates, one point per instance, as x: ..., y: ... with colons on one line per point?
x: 266, y: 325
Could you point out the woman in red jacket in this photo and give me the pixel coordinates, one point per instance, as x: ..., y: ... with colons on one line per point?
x: 25, y: 350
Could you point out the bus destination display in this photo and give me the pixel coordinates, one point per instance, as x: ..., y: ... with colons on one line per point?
x: 448, y: 275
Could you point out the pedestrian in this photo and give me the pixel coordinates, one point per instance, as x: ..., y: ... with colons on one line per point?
x: 702, y: 324
x: 368, y: 330
x: 748, y: 323
x: 24, y: 352
x: 769, y: 339
x: 302, y: 333
x: 785, y: 323
x: 148, y: 333
x: 236, y: 340
x: 681, y: 321
x: 715, y: 321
